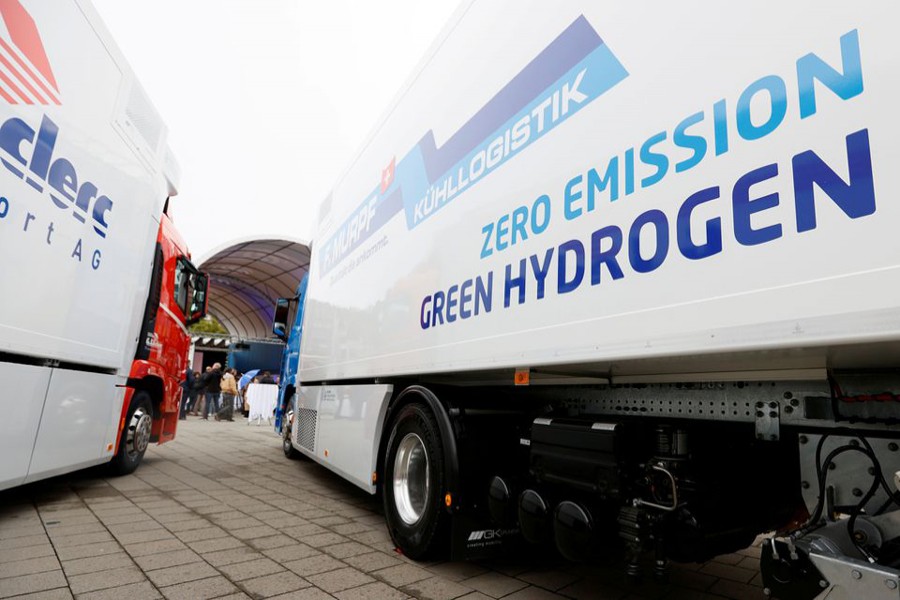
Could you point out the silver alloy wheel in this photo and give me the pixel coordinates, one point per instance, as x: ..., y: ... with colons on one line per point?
x: 138, y: 437
x: 411, y: 479
x: 286, y: 443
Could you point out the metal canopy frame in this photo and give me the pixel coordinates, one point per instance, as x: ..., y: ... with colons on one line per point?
x: 247, y: 275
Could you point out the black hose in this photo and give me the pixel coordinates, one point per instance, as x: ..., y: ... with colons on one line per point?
x: 893, y: 495
x: 822, y: 472
x: 813, y: 521
x: 851, y: 530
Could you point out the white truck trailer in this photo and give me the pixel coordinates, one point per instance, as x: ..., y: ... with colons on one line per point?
x: 607, y: 272
x: 96, y: 285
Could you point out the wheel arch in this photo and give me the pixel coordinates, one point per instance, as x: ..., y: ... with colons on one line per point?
x: 119, y: 464
x: 441, y: 412
x: 285, y: 400
x: 155, y: 388
x: 289, y: 390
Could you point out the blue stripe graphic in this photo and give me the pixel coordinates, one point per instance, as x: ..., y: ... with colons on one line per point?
x: 568, y: 49
x: 575, y: 69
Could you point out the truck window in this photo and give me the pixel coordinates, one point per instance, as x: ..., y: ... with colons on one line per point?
x: 185, y: 281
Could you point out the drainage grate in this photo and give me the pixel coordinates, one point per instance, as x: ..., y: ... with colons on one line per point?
x: 306, y: 428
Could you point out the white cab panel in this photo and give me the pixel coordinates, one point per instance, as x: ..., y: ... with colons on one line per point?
x: 348, y: 426
x: 21, y: 414
x: 75, y: 426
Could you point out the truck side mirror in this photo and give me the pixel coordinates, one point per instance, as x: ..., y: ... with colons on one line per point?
x: 279, y: 323
x: 198, y: 300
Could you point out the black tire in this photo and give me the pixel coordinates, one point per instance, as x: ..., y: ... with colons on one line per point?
x: 286, y: 445
x: 135, y: 435
x: 414, y: 510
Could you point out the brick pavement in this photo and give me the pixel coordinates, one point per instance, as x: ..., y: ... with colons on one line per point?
x: 220, y: 513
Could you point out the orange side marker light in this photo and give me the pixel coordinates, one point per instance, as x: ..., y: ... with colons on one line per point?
x: 522, y: 377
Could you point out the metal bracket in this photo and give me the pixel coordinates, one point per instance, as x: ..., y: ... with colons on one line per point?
x: 851, y: 578
x: 850, y: 473
x: 639, y: 502
x: 768, y: 421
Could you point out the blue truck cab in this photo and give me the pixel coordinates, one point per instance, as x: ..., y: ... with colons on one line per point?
x: 285, y: 309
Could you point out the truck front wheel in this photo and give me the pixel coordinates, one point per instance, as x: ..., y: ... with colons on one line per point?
x: 135, y: 435
x: 414, y: 483
x: 286, y: 445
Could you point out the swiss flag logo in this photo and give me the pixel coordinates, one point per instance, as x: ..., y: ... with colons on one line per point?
x: 387, y: 175
x: 25, y: 73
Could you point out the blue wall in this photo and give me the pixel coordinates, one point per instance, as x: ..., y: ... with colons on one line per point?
x: 266, y: 357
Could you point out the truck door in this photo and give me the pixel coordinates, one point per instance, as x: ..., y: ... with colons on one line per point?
x: 290, y: 361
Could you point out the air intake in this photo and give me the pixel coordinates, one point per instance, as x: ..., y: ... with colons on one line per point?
x: 306, y: 428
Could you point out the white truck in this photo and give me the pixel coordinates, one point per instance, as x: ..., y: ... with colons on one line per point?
x: 607, y: 274
x: 96, y: 285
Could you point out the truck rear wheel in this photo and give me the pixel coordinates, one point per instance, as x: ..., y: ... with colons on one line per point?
x: 135, y: 435
x: 414, y: 483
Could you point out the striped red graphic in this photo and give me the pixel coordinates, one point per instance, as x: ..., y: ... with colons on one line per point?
x: 25, y: 73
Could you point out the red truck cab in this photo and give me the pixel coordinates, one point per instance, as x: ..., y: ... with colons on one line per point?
x: 177, y: 298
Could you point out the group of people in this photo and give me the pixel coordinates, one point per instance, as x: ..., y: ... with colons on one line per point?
x: 215, y: 392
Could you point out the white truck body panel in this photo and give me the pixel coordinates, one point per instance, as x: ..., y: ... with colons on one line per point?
x: 346, y: 422
x: 22, y: 415
x: 79, y: 423
x: 84, y: 173
x: 799, y: 280
x: 56, y: 306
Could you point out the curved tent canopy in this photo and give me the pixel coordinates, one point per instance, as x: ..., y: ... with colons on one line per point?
x: 247, y: 275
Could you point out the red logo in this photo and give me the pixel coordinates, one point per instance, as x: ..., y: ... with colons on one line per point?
x: 25, y: 73
x: 387, y: 175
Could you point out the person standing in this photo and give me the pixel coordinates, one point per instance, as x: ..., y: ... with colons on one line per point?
x: 197, y: 389
x: 213, y: 383
x: 200, y: 405
x: 186, y: 390
x: 229, y: 391
x: 238, y: 398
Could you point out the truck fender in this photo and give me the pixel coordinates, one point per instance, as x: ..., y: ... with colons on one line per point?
x: 448, y: 437
x: 165, y: 389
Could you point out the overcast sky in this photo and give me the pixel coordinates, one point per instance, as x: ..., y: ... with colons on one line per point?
x: 267, y: 101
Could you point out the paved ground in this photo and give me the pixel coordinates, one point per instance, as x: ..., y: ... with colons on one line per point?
x: 220, y: 512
